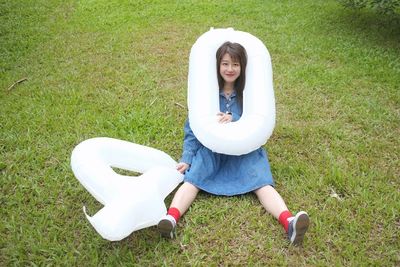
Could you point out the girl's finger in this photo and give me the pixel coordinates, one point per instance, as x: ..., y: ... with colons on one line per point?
x: 181, y: 169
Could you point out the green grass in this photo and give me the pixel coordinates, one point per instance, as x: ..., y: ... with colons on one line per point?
x: 117, y: 69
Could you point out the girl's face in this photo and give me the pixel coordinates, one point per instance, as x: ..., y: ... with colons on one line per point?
x: 229, y: 69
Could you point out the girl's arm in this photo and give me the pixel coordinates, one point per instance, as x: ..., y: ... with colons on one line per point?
x: 190, y: 144
x: 235, y: 116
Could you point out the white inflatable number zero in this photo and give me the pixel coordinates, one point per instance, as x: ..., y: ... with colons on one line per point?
x: 258, y: 118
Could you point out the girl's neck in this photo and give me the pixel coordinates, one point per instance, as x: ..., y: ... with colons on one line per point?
x: 228, y: 88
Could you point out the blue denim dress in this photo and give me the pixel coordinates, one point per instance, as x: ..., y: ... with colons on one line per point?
x: 222, y: 174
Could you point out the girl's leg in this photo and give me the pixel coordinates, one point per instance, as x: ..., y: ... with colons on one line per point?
x: 296, y: 226
x: 271, y: 200
x: 180, y: 203
x: 184, y: 197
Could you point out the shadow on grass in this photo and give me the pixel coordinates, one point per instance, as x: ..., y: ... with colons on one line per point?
x: 375, y: 28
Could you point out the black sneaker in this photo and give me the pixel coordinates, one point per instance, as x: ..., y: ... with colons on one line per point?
x: 166, y: 226
x: 298, y: 227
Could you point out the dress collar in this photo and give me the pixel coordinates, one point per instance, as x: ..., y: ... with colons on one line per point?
x: 221, y: 93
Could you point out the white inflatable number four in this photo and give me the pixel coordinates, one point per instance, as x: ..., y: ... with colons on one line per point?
x: 130, y: 203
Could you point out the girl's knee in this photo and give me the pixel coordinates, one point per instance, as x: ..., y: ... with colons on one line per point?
x: 264, y: 188
x: 191, y: 187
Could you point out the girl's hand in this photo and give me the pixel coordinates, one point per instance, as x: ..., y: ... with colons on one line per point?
x: 224, y: 117
x: 182, y: 167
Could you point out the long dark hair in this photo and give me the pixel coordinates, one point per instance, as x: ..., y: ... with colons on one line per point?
x: 238, y: 54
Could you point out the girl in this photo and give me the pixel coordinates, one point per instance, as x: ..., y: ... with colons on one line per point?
x: 229, y: 175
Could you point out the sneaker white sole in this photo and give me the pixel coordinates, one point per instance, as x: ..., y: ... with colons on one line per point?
x: 301, y: 223
x: 166, y: 228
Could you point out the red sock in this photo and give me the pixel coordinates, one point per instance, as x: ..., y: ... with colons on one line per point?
x: 283, y: 219
x: 174, y: 212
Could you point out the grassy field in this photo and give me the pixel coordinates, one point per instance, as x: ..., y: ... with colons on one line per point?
x: 118, y: 69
